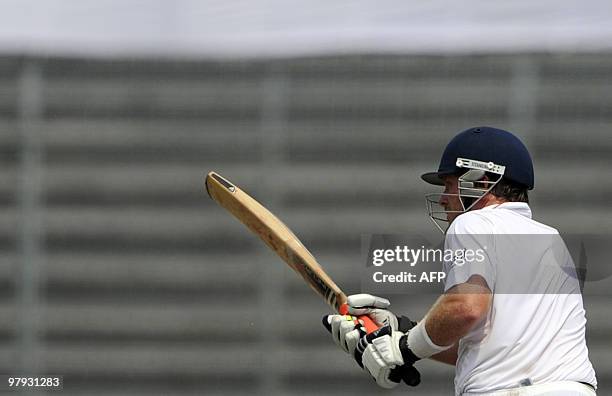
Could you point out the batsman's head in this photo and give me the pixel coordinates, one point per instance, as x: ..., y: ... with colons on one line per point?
x: 477, y: 165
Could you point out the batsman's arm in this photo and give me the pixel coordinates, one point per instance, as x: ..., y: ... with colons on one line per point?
x: 457, y: 311
x: 449, y: 356
x: 452, y: 317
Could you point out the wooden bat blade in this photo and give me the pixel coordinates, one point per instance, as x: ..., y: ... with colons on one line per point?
x: 280, y: 239
x: 276, y: 235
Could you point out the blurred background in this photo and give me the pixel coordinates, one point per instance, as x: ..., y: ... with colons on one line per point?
x: 119, y: 273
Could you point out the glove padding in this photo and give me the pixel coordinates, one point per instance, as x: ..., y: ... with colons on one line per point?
x: 373, y: 306
x: 346, y: 331
x: 386, y: 356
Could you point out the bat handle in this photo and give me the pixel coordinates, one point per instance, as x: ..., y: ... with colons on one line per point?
x: 368, y: 323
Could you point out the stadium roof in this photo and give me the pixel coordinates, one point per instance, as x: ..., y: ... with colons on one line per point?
x: 284, y: 28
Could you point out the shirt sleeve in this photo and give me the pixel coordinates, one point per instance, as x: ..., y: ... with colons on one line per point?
x: 469, y: 250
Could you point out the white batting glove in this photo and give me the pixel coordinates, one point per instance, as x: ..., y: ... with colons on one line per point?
x: 345, y: 331
x: 382, y: 356
x: 373, y: 306
x: 388, y: 358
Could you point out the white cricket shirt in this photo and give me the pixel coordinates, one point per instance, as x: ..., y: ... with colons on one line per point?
x: 535, y: 330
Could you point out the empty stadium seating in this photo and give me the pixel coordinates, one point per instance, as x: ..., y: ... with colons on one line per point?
x: 142, y: 285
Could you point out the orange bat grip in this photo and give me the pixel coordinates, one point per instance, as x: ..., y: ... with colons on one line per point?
x: 368, y: 323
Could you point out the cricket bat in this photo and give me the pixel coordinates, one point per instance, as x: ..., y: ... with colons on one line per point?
x: 281, y: 240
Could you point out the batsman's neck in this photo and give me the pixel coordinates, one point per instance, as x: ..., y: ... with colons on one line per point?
x: 488, y: 200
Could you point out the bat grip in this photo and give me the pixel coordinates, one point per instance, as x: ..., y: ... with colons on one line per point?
x: 367, y: 322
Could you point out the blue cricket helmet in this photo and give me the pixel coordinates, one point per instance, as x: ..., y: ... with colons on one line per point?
x: 488, y: 145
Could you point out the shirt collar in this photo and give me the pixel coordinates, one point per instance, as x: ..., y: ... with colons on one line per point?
x: 521, y: 208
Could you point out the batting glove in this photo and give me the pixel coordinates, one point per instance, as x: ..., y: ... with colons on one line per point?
x: 387, y: 358
x: 346, y: 331
x: 373, y: 306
